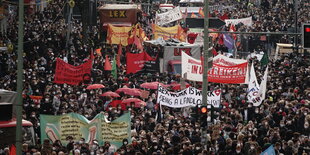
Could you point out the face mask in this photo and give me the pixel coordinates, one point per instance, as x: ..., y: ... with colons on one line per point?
x: 197, y: 148
x: 155, y: 147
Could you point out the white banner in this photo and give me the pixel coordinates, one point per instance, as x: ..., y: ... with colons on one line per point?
x: 191, y: 68
x: 253, y: 86
x: 169, y: 16
x: 246, y: 21
x: 226, y: 61
x: 187, y: 97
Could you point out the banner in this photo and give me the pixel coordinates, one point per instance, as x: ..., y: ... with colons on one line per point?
x: 175, y: 52
x: 75, y: 125
x: 169, y: 16
x: 168, y: 32
x: 253, y: 86
x: 35, y: 99
x: 261, y: 95
x: 136, y: 61
x: 118, y: 35
x: 69, y: 74
x: 187, y: 97
x: 224, y: 70
x: 246, y: 21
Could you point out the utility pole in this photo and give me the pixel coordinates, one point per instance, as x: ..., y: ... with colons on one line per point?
x: 205, y: 69
x: 69, y: 24
x: 19, y: 104
x: 296, y: 24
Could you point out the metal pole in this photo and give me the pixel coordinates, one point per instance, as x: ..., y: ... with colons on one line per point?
x: 296, y: 23
x: 19, y: 104
x: 69, y: 28
x: 205, y: 67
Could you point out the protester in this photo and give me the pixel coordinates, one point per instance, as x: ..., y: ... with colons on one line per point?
x: 282, y: 120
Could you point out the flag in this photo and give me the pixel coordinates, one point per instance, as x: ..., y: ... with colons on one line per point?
x: 224, y: 16
x: 269, y: 151
x: 214, y: 52
x: 119, y: 54
x: 228, y: 41
x: 191, y: 37
x: 193, y: 15
x: 233, y: 29
x: 185, y: 14
x: 13, y: 150
x: 221, y: 40
x: 262, y: 88
x: 201, y: 12
x: 114, y: 69
x: 138, y: 43
x: 264, y: 60
x: 253, y: 86
x: 98, y: 51
x: 107, y: 64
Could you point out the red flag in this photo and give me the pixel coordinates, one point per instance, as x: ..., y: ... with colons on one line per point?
x: 221, y: 40
x: 107, y: 64
x: 193, y: 15
x: 201, y: 12
x: 191, y: 37
x: 132, y: 35
x: 138, y: 43
x: 135, y: 61
x: 119, y: 54
x: 233, y: 29
x: 224, y: 16
x: 214, y: 52
x: 13, y: 150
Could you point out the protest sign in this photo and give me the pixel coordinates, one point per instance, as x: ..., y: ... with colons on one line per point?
x: 186, y: 97
x: 169, y: 16
x: 224, y: 69
x: 176, y: 32
x: 69, y: 74
x: 246, y: 21
x: 77, y: 126
x: 118, y: 35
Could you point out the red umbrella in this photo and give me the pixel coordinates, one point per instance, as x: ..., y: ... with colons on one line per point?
x: 177, y: 86
x: 151, y: 85
x: 138, y: 102
x: 95, y: 86
x: 129, y: 91
x: 110, y: 93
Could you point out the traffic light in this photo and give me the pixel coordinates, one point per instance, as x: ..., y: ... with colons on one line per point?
x: 306, y: 35
x: 203, y: 111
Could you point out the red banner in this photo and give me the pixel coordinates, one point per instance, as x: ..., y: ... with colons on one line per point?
x: 35, y: 99
x: 228, y: 74
x: 73, y: 75
x: 135, y: 61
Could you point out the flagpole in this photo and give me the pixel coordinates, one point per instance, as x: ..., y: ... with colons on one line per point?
x: 205, y: 70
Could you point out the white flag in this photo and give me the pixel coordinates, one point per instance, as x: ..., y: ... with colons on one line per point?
x: 253, y: 86
x: 263, y: 87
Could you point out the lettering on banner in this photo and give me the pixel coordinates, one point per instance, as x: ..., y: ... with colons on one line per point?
x: 117, y: 14
x: 114, y: 131
x: 70, y: 127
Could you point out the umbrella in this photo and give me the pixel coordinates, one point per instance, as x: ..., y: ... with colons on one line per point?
x: 95, y: 86
x: 151, y: 85
x: 129, y: 91
x: 138, y: 102
x: 110, y: 93
x: 177, y: 86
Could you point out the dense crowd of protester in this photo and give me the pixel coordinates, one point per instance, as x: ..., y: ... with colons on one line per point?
x: 237, y: 127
